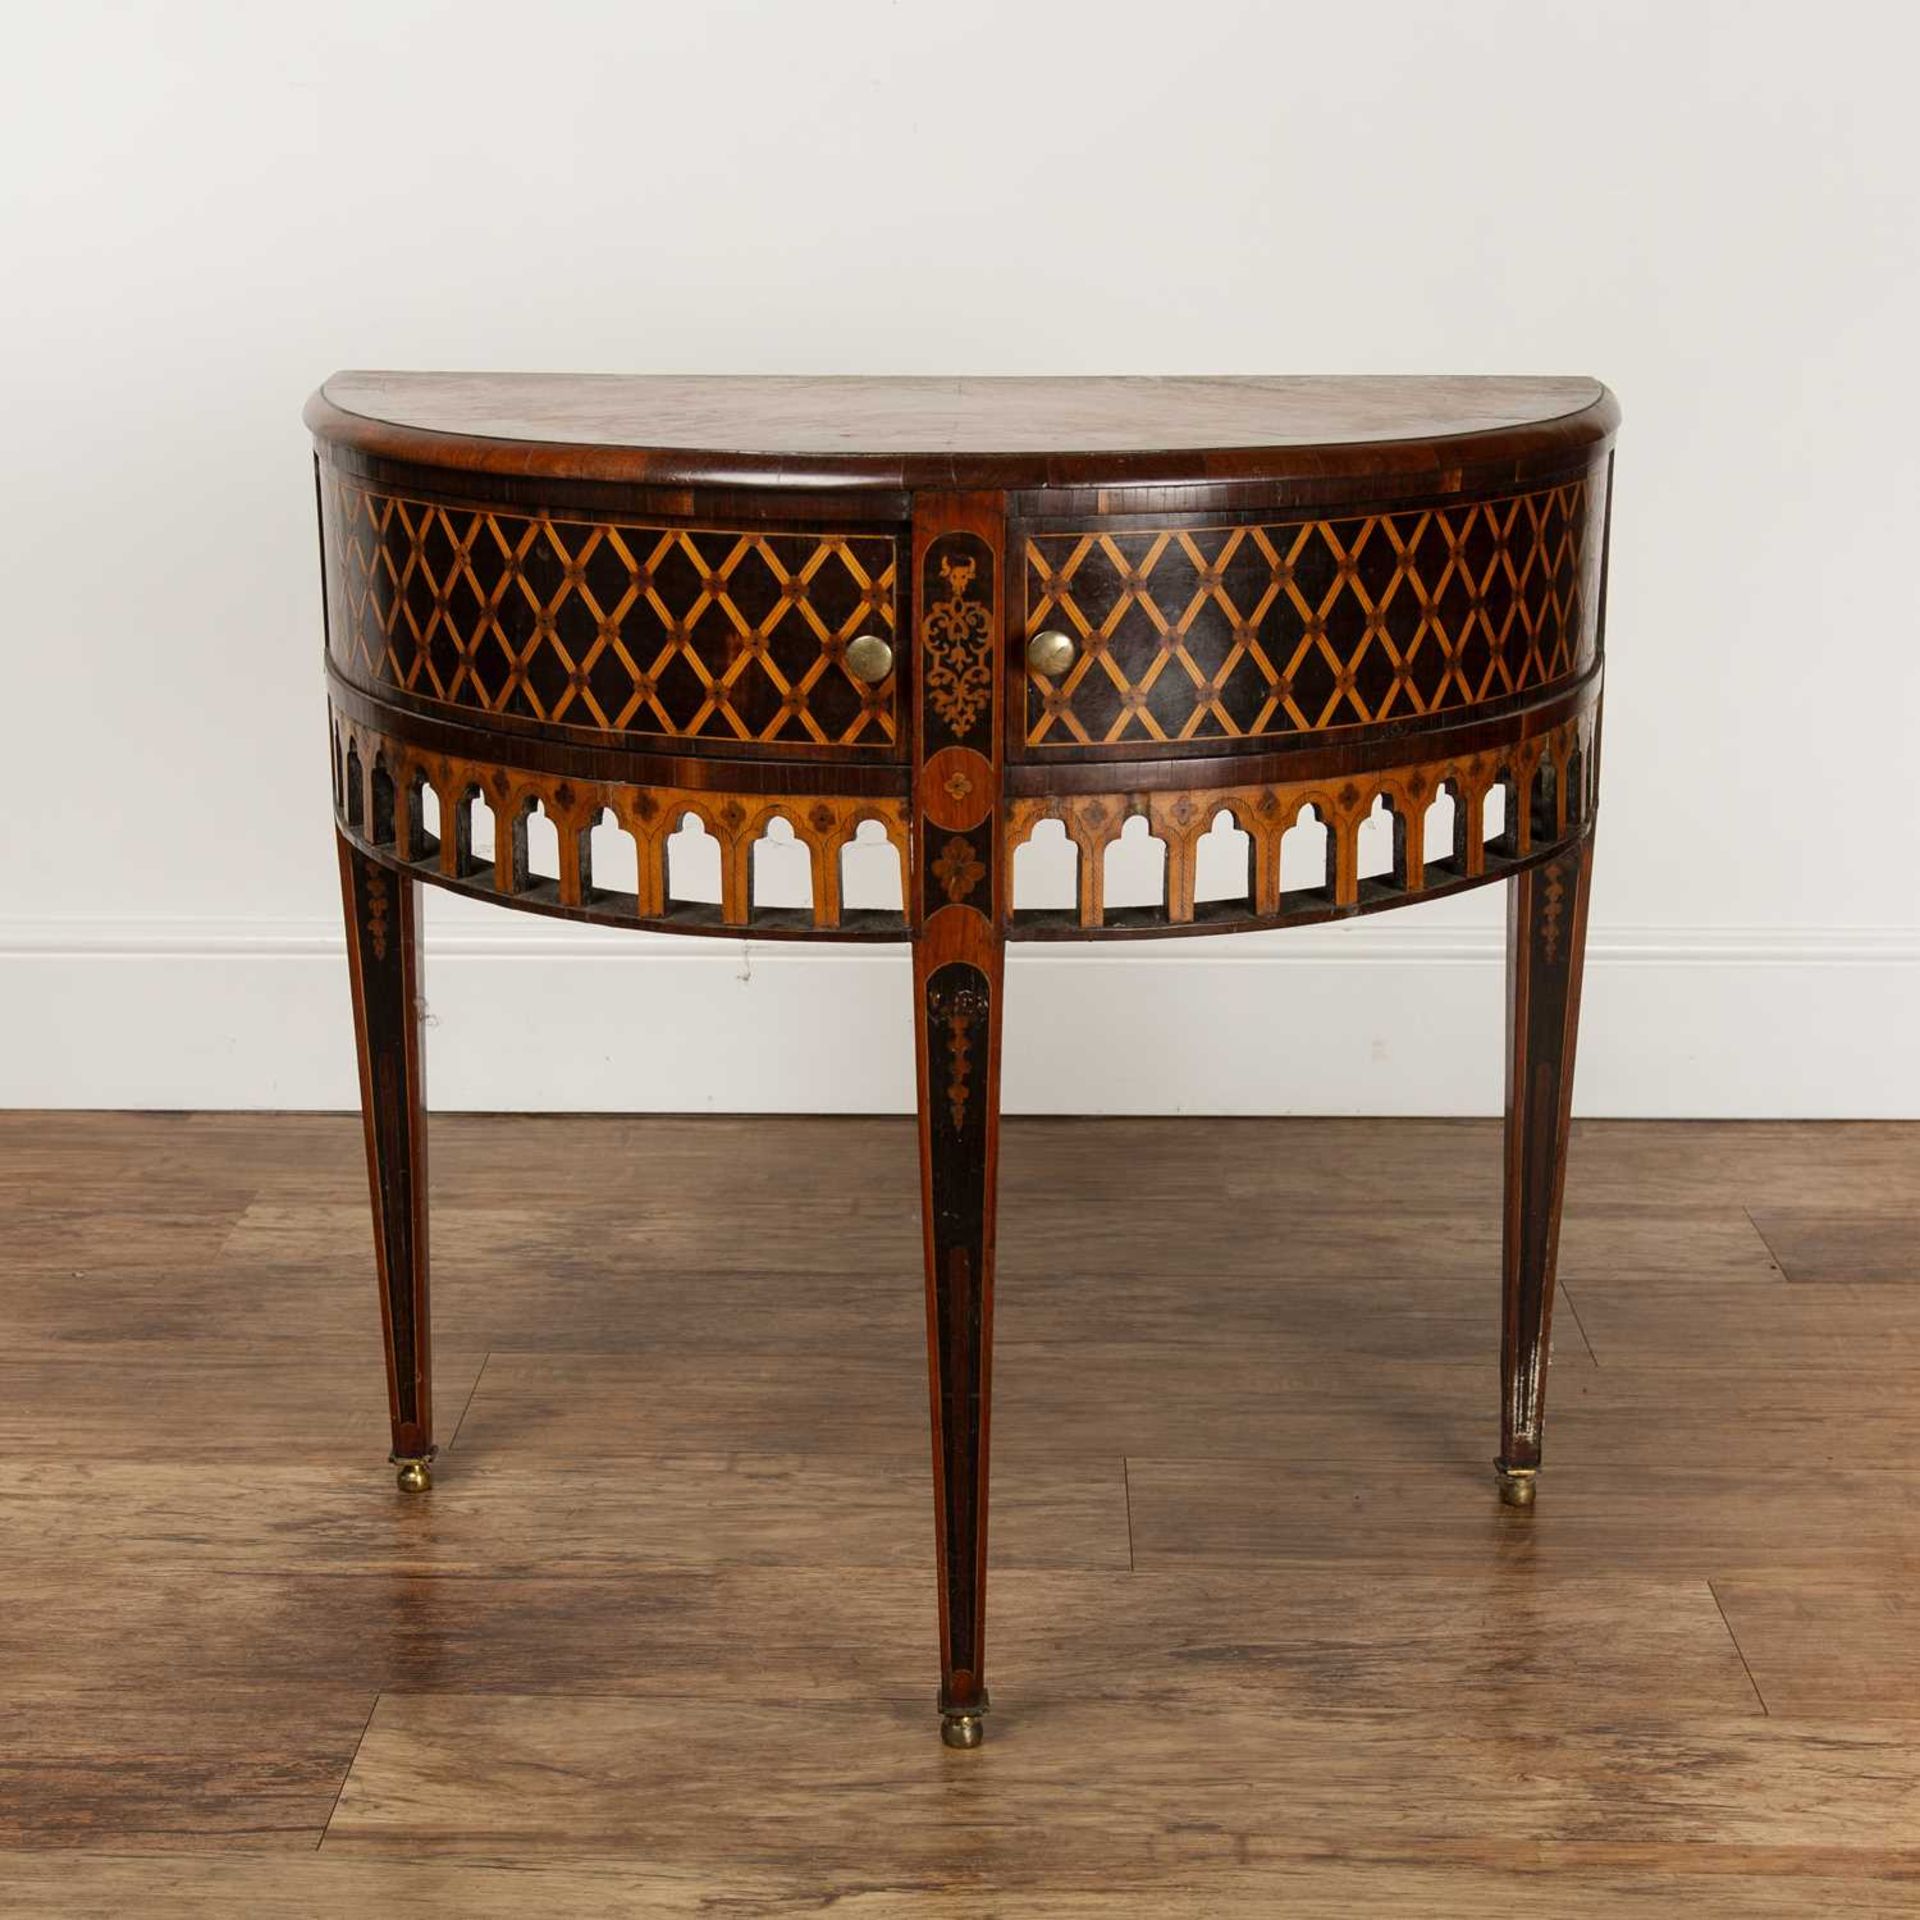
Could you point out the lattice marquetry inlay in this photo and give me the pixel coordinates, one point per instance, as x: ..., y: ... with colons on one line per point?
x: 669, y: 632
x: 1231, y: 632
x: 1549, y: 783
x: 379, y: 796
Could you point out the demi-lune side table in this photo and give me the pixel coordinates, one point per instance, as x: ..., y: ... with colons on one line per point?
x: 946, y: 614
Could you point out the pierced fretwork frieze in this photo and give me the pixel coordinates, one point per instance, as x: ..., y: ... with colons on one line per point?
x: 1546, y: 787
x: 416, y: 809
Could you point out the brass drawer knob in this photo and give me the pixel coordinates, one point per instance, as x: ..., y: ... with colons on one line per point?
x: 869, y: 658
x: 1051, y: 652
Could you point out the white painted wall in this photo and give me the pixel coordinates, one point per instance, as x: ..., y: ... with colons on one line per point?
x: 1715, y: 206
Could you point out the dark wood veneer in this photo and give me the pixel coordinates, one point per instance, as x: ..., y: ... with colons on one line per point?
x: 1416, y: 608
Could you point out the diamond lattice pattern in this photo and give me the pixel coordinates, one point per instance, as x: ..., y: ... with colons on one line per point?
x: 1229, y: 632
x: 676, y: 632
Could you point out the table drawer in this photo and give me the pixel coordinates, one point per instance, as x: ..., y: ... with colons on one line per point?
x: 729, y: 638
x: 1197, y: 637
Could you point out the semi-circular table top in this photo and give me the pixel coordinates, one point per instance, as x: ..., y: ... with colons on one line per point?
x: 955, y: 432
x: 960, y: 612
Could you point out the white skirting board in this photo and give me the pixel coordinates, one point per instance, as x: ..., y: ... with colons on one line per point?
x: 1366, y: 1018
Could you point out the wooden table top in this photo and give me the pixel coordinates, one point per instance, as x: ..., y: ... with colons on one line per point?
x: 965, y: 607
x: 1000, y: 432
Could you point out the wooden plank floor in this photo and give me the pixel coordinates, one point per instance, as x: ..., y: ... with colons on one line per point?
x: 661, y: 1638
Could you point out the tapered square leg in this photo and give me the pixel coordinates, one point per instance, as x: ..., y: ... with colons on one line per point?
x: 1546, y: 950
x: 382, y: 914
x: 959, y: 1079
x: 959, y: 912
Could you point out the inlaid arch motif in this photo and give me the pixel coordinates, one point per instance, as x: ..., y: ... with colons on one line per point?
x: 1181, y: 817
x: 823, y: 824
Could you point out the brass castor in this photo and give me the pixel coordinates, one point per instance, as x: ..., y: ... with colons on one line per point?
x: 1517, y: 1485
x: 414, y: 1476
x: 962, y: 1729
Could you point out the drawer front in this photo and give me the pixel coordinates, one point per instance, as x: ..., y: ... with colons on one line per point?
x: 1195, y: 637
x: 731, y: 638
